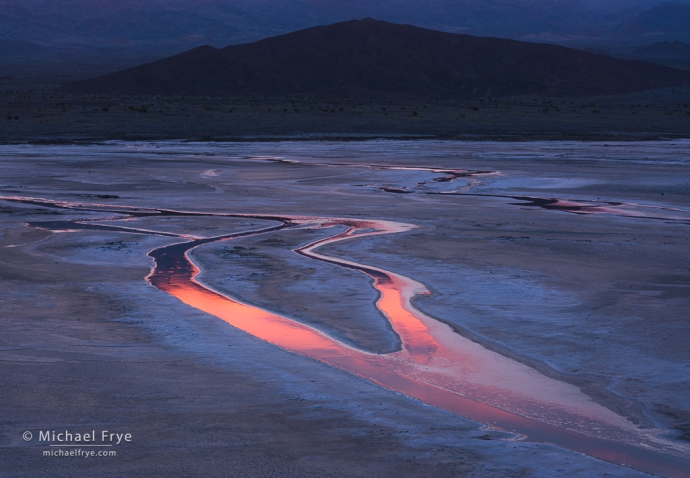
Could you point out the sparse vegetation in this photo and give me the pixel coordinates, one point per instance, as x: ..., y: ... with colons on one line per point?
x: 41, y: 112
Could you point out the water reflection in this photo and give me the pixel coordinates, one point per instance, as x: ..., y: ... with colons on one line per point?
x: 435, y: 365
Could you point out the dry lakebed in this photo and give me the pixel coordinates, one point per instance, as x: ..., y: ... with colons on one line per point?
x: 332, y: 308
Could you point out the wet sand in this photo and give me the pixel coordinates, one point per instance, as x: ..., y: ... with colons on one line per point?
x: 530, y: 283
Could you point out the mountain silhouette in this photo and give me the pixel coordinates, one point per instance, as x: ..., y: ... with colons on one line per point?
x: 370, y: 57
x: 668, y: 22
x: 11, y: 48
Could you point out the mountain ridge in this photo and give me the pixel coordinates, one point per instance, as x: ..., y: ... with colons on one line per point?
x: 188, y: 23
x: 372, y: 57
x: 665, y: 21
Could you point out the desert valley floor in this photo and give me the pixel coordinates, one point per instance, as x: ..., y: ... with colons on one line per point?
x: 558, y: 273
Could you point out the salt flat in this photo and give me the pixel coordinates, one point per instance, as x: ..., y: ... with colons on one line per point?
x: 592, y: 290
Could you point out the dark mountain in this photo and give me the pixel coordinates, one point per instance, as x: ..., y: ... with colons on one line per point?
x: 675, y: 54
x: 155, y: 24
x: 370, y: 57
x: 665, y: 22
x: 675, y: 50
x: 11, y: 49
x: 667, y: 49
x: 147, y: 24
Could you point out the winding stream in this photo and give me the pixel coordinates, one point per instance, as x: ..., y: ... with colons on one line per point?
x: 435, y: 365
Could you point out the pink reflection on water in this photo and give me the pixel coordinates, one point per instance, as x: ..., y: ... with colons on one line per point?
x: 393, y: 300
x: 440, y: 367
x: 436, y: 365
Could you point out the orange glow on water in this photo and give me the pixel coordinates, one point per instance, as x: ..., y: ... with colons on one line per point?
x: 435, y: 365
x: 438, y: 366
x: 257, y: 322
x: 415, y: 335
x: 393, y: 301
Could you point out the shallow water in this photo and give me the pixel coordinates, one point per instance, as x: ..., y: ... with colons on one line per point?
x: 435, y: 364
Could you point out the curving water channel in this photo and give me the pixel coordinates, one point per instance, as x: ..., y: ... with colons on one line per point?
x: 474, y: 178
x: 435, y: 364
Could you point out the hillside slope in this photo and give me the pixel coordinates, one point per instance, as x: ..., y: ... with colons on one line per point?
x: 370, y: 57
